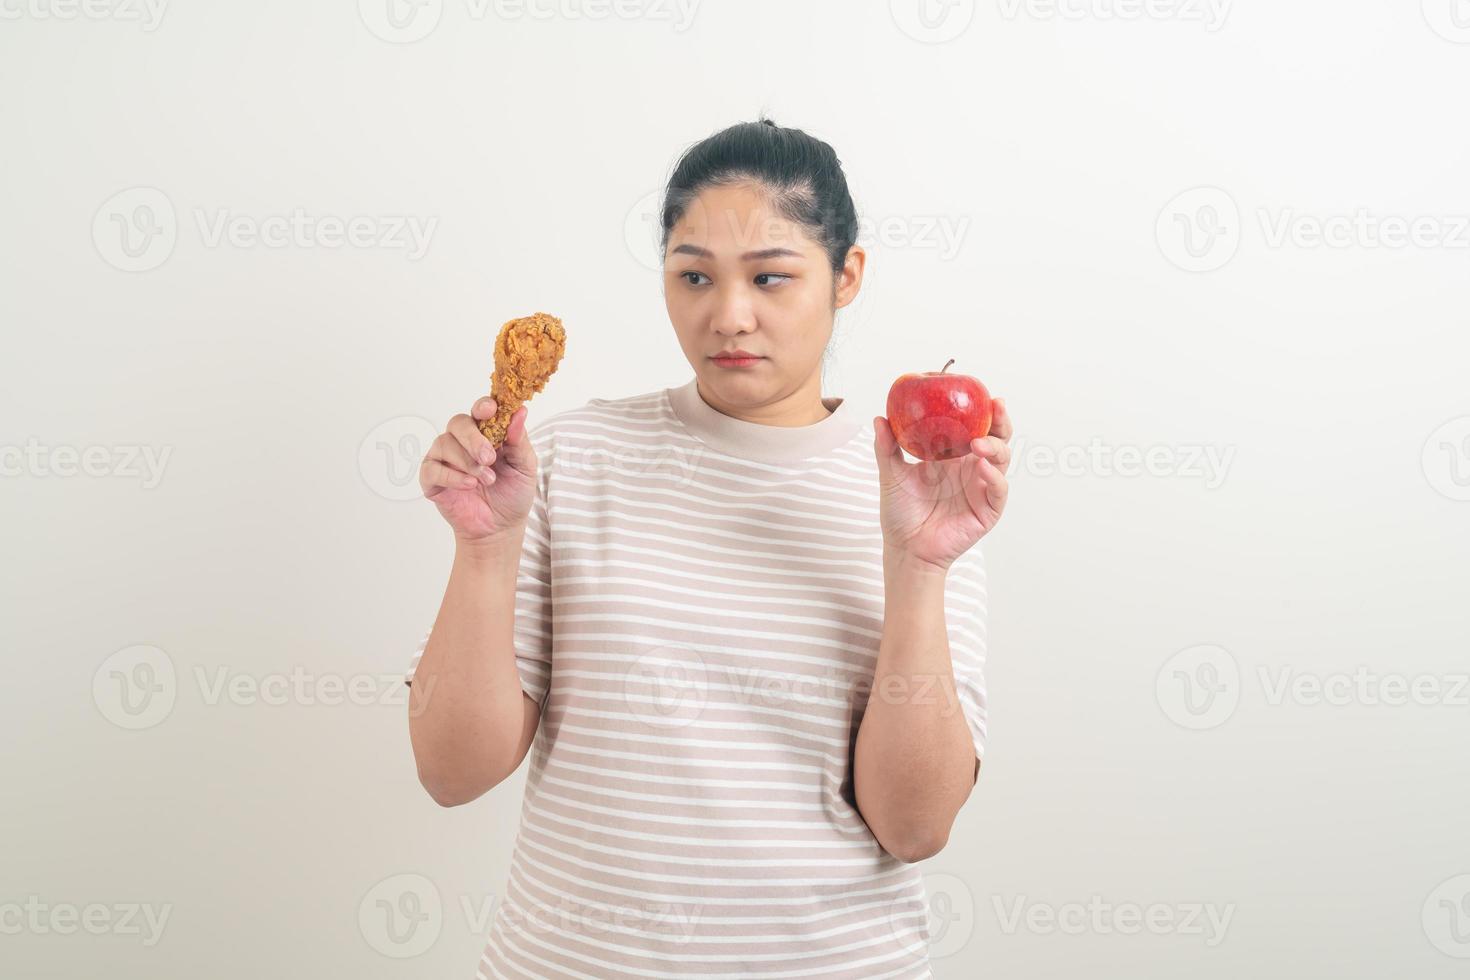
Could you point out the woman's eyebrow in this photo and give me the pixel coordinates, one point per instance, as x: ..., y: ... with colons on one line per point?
x: 765, y: 253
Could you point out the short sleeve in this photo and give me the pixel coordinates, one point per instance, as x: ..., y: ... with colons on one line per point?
x: 964, y: 609
x: 532, y: 635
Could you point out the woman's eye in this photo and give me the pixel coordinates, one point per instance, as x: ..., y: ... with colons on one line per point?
x: 686, y: 275
x: 769, y: 275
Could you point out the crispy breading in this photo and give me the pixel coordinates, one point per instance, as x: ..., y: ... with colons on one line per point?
x: 527, y: 351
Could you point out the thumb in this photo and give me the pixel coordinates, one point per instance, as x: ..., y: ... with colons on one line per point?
x: 888, y: 452
x: 516, y: 449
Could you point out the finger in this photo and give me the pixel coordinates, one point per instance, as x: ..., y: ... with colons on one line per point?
x: 449, y: 450
x: 485, y: 408
x: 997, y: 488
x: 993, y: 449
x: 464, y: 428
x: 1000, y: 420
x: 436, y: 477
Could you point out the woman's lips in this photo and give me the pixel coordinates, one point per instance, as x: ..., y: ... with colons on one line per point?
x: 735, y: 362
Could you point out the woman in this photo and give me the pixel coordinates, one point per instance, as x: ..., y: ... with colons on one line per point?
x: 743, y: 634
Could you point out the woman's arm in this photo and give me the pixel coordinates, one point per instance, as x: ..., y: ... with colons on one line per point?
x: 914, y: 762
x: 469, y: 720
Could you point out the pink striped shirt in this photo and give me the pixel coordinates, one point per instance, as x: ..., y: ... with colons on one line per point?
x: 698, y: 611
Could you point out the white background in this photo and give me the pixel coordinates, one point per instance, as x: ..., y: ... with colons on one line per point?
x: 1050, y: 144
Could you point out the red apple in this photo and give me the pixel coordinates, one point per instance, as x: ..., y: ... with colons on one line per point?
x: 934, y: 415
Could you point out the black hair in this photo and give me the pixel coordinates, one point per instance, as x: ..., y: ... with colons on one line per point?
x: 801, y: 174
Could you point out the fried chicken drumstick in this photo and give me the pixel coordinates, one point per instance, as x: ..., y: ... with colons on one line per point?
x: 527, y: 351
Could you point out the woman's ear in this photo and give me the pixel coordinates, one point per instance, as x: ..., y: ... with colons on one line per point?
x: 850, y: 277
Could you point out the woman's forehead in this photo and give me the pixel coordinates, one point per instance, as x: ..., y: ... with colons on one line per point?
x: 723, y: 221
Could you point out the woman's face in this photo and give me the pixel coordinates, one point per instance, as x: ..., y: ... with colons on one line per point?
x: 739, y: 275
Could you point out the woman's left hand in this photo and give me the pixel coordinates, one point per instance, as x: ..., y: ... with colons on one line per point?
x: 933, y: 511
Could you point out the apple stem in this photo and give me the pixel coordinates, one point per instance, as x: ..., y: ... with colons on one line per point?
x: 946, y: 366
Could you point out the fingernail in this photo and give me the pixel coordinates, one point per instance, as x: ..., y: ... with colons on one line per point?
x: 487, y: 456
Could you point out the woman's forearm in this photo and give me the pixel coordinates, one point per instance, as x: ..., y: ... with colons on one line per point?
x: 914, y: 762
x: 469, y: 721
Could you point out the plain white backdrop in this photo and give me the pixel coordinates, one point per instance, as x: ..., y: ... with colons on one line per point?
x: 1214, y: 254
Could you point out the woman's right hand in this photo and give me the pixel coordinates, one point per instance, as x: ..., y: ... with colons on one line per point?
x: 483, y: 494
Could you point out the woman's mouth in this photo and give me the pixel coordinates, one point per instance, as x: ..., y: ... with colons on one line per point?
x: 736, y: 360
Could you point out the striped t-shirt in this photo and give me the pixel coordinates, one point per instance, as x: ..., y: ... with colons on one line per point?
x: 698, y: 611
